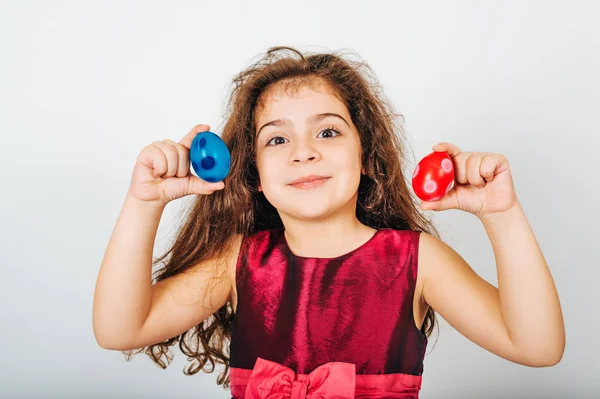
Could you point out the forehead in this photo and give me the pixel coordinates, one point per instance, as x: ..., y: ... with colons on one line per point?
x: 304, y: 97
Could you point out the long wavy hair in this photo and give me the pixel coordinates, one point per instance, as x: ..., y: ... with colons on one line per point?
x: 384, y: 197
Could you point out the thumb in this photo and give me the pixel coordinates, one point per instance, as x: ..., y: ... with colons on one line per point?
x: 431, y: 205
x: 447, y: 202
x: 198, y: 186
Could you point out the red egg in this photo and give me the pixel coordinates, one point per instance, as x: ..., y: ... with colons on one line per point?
x: 433, y: 176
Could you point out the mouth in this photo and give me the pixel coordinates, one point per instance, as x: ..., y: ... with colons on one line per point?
x: 309, y: 182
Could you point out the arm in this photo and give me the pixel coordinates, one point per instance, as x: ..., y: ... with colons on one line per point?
x: 521, y: 320
x: 128, y: 311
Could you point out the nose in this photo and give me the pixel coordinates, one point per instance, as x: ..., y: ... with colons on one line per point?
x: 304, y: 152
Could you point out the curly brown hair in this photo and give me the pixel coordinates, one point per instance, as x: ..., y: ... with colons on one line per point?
x: 384, y: 197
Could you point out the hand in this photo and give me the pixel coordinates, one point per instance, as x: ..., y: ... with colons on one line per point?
x: 162, y: 171
x: 484, y: 184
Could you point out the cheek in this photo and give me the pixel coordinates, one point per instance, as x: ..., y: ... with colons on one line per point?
x: 262, y: 164
x: 269, y: 166
x: 351, y: 164
x: 347, y: 167
x: 350, y: 161
x: 267, y: 173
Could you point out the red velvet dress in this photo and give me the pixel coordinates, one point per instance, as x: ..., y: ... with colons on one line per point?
x: 327, y: 327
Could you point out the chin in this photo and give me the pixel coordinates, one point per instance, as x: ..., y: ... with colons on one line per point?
x: 301, y: 207
x: 311, y: 209
x: 308, y: 213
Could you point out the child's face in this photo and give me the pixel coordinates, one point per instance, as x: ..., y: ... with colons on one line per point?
x: 301, y: 142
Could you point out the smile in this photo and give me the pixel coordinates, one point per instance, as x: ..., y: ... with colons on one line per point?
x: 313, y: 183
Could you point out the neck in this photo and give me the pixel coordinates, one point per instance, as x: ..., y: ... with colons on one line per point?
x: 328, y: 238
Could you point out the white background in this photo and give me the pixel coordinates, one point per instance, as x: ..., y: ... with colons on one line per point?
x: 84, y: 86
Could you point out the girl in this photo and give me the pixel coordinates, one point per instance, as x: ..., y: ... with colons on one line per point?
x: 311, y: 271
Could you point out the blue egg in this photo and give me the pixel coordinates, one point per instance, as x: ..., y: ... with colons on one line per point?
x: 209, y: 157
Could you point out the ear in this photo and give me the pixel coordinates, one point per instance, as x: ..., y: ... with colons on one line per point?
x: 362, y: 170
x: 259, y: 187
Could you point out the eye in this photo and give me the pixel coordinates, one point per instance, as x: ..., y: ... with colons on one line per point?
x: 277, y: 139
x: 331, y: 132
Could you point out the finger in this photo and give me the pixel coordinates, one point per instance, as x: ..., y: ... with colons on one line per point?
x: 199, y: 186
x: 188, y: 138
x: 183, y: 167
x: 488, y: 167
x: 155, y: 159
x: 460, y: 167
x: 172, y: 157
x: 451, y: 149
x: 473, y: 170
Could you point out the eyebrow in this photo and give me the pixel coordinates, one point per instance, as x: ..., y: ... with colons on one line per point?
x: 312, y: 119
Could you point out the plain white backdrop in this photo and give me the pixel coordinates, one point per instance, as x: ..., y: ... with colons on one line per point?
x: 84, y: 86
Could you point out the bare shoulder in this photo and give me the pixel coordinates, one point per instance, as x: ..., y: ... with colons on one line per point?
x: 440, y: 267
x: 435, y: 253
x: 432, y: 248
x: 428, y: 245
x: 232, y: 259
x: 432, y: 252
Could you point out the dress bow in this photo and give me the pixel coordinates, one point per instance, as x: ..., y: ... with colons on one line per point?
x: 272, y: 380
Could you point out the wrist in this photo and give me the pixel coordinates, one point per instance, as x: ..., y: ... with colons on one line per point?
x: 511, y: 212
x: 153, y: 206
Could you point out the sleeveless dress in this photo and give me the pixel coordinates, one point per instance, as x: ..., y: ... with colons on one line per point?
x: 322, y: 328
